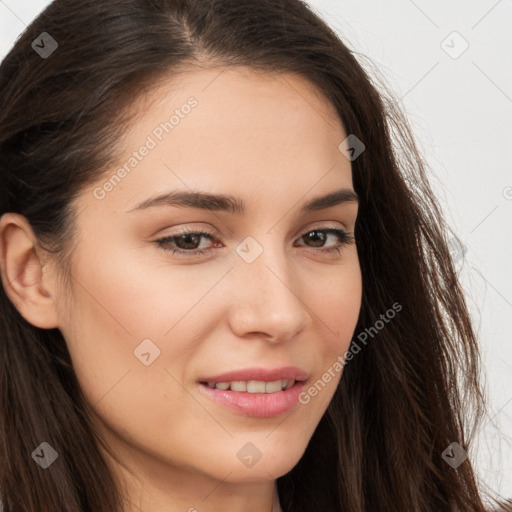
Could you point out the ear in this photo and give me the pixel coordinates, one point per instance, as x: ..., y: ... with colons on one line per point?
x: 25, y: 280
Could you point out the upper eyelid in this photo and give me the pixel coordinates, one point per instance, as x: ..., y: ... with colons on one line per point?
x: 214, y: 232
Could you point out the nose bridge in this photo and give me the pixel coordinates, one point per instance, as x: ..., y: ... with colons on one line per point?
x: 268, y: 296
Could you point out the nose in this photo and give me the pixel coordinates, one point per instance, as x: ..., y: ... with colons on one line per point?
x: 266, y: 298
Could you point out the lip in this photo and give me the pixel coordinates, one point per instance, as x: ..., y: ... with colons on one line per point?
x: 256, y: 405
x: 261, y: 374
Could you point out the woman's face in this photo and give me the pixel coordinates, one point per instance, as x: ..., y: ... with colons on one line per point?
x: 270, y: 291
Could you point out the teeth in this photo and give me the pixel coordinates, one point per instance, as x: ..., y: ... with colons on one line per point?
x: 254, y: 386
x: 273, y: 387
x: 289, y: 384
x: 238, y: 385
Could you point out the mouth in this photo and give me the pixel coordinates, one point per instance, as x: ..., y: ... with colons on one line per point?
x: 256, y: 392
x: 256, y: 399
x: 252, y: 386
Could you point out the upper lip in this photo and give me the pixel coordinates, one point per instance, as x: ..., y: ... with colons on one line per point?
x: 259, y: 374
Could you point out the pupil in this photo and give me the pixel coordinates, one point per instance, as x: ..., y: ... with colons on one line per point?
x: 314, y: 234
x: 184, y: 237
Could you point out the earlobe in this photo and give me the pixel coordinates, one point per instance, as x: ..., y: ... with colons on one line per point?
x: 22, y: 272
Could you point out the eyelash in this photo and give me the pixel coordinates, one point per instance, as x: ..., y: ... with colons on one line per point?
x: 345, y: 238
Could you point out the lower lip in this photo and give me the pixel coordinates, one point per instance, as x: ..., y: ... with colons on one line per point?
x: 257, y: 405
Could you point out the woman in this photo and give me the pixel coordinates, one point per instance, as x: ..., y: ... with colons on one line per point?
x: 226, y: 281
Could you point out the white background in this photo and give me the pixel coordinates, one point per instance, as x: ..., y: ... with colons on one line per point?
x: 460, y: 108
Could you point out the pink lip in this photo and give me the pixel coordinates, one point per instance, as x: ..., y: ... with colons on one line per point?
x: 261, y: 374
x: 257, y: 405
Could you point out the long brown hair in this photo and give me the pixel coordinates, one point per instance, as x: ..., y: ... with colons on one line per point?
x: 409, y: 393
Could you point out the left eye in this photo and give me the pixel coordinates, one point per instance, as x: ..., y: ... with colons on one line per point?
x: 187, y: 241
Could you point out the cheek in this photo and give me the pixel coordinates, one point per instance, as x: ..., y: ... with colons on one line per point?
x: 336, y: 311
x: 135, y: 294
x: 336, y: 307
x: 118, y: 303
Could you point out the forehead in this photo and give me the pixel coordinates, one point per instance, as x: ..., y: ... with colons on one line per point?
x: 235, y: 129
x: 237, y: 86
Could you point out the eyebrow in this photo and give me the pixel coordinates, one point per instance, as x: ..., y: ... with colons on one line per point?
x: 227, y: 203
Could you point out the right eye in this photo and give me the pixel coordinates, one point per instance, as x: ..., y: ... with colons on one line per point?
x: 185, y: 238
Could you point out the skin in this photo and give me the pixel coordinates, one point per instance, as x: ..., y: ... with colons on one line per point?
x: 271, y: 140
